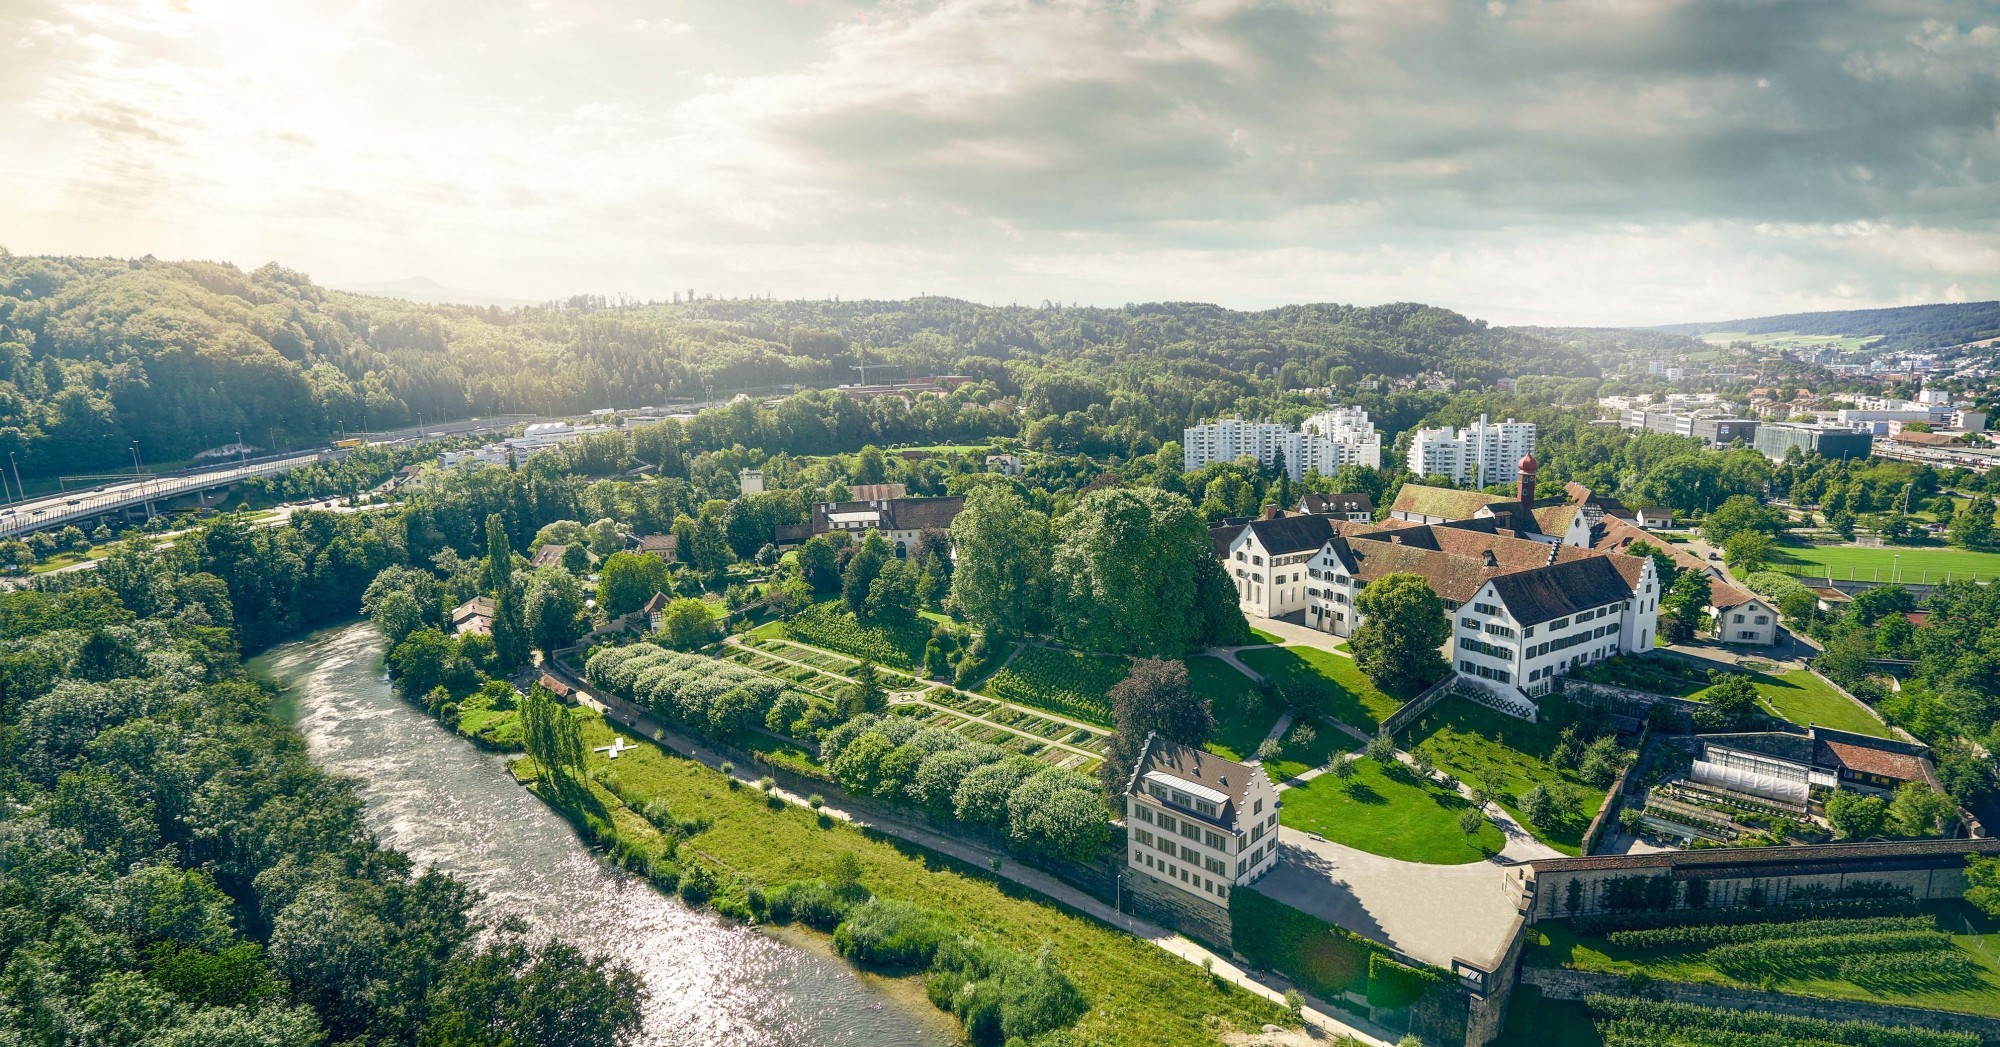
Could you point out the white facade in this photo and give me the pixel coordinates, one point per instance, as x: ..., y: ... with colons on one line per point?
x: 1004, y: 464
x: 551, y: 434
x: 1197, y: 837
x: 1267, y: 585
x: 1324, y: 442
x: 1487, y: 452
x: 1750, y: 622
x: 491, y: 454
x: 750, y: 481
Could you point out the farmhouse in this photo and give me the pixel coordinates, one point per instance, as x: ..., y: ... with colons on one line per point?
x: 655, y: 611
x: 903, y: 521
x: 473, y: 616
x: 1198, y: 824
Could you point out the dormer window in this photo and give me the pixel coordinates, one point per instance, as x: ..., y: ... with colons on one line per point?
x: 1205, y: 808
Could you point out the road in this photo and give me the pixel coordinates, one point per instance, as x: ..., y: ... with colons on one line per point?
x: 56, y: 509
x: 619, y: 711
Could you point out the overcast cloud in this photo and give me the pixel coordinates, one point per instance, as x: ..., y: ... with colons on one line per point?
x: 1586, y: 161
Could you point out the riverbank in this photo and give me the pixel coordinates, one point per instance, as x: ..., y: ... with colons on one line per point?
x: 455, y: 808
x: 1139, y: 994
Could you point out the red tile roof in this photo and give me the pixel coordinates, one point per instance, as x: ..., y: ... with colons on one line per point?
x: 1862, y: 759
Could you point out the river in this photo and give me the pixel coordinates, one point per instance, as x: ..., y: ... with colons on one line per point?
x: 448, y: 804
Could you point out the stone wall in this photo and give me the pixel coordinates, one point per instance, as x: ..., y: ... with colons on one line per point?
x: 1172, y: 907
x: 1730, y: 888
x: 1575, y: 985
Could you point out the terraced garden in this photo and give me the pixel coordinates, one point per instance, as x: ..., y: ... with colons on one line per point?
x: 1068, y: 683
x: 1022, y: 729
x: 1506, y: 757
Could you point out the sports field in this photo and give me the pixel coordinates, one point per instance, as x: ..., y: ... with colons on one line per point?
x: 1915, y: 563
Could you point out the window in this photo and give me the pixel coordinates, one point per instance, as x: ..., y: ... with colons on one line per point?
x: 1763, y: 620
x: 1486, y: 608
x: 1189, y: 854
x: 1529, y: 631
x: 1487, y: 649
x: 1215, y: 841
x: 1190, y: 830
x: 1215, y: 866
x: 1144, y: 813
x: 1256, y: 561
x: 1145, y: 838
x: 1205, y: 807
x: 1499, y: 630
x: 1181, y: 799
x: 1738, y: 619
x: 1560, y: 623
x: 1239, y: 554
x: 1257, y: 831
x: 1257, y: 808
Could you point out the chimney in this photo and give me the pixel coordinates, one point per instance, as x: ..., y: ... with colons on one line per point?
x: 1395, y: 539
x: 1270, y: 511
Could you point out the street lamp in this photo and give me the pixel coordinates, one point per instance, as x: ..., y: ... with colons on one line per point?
x: 135, y: 458
x: 242, y: 452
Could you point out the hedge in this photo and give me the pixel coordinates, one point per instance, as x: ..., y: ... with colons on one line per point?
x: 1396, y: 986
x: 1327, y: 960
x: 1688, y: 937
x: 1605, y: 923
x: 1632, y: 1020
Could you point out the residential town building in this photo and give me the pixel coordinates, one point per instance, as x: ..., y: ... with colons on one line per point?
x: 1322, y: 444
x: 1197, y: 823
x: 1479, y: 454
x: 1356, y: 506
x: 1740, y: 616
x: 1004, y: 464
x: 473, y: 616
x: 750, y: 481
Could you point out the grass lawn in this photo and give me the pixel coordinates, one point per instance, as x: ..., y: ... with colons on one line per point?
x: 1390, y: 814
x: 1553, y: 944
x: 1138, y: 993
x: 1294, y: 759
x: 1066, y: 682
x: 1264, y: 637
x: 1316, y: 679
x: 1804, y: 698
x: 1506, y: 757
x: 1928, y: 562
x: 1242, y: 717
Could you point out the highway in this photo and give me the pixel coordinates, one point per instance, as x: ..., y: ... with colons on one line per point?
x: 58, y: 509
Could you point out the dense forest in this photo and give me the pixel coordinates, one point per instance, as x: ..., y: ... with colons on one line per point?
x: 1913, y: 327
x: 98, y: 353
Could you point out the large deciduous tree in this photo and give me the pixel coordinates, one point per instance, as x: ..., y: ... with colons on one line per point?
x: 1154, y: 697
x: 1402, y: 627
x: 1002, y: 579
x: 555, y: 613
x: 625, y: 581
x: 1127, y: 574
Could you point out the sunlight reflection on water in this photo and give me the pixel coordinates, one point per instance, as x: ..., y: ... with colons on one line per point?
x: 445, y: 803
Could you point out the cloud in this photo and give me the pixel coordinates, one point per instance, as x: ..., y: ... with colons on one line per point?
x: 1585, y: 160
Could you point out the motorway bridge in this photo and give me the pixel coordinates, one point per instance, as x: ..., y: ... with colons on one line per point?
x: 68, y: 507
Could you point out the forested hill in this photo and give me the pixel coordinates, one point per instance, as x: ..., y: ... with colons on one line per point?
x: 181, y: 356
x: 1913, y: 327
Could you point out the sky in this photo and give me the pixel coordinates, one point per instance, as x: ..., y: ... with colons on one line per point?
x: 1585, y: 161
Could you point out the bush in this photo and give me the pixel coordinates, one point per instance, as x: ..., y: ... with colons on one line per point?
x: 889, y: 934
x: 1395, y: 986
x: 1000, y: 995
x: 813, y: 903
x: 1696, y: 936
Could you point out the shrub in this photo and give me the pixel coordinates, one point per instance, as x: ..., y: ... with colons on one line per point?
x: 1395, y: 986
x: 811, y: 902
x: 889, y: 934
x: 1000, y: 995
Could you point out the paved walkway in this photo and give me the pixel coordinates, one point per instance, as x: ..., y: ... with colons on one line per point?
x: 1297, y: 633
x: 1268, y: 987
x: 1431, y: 912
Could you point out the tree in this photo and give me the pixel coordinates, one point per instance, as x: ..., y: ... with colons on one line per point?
x: 1748, y: 551
x: 511, y: 640
x: 605, y: 537
x: 1856, y: 817
x: 1684, y: 610
x: 1125, y: 573
x: 819, y: 562
x: 1402, y: 627
x: 514, y: 994
x: 1469, y: 821
x: 397, y: 616
x: 1546, y: 807
x: 1972, y: 527
x: 499, y: 556
x: 1982, y: 883
x: 1058, y: 813
x: 1919, y: 810
x: 555, y: 614
x: 861, y: 570
x: 892, y: 596
x: 1155, y: 697
x: 1740, y: 513
x: 1342, y: 769
x: 1602, y: 761
x: 551, y: 735
x: 1002, y: 579
x: 685, y: 624
x: 1730, y: 701
x: 625, y: 581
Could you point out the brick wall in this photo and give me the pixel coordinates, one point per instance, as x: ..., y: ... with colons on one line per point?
x: 1575, y: 985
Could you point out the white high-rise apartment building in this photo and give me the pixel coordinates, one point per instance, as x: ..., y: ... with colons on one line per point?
x: 1488, y: 452
x: 1325, y: 442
